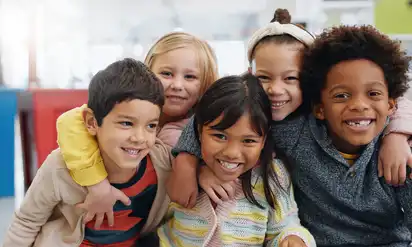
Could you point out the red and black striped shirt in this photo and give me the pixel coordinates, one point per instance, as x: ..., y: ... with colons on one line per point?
x: 128, y: 220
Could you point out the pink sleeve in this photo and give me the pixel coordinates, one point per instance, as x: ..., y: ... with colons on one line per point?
x: 169, y: 135
x: 171, y: 132
x: 401, y: 119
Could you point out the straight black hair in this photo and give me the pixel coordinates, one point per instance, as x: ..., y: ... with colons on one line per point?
x: 231, y: 97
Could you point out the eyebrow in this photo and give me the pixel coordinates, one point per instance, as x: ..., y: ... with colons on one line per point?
x: 165, y: 67
x: 134, y: 119
x: 283, y: 72
x: 370, y: 83
x: 245, y: 136
x: 192, y: 71
x: 168, y: 67
x: 252, y: 136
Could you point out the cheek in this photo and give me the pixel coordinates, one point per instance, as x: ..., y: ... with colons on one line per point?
x: 295, y: 92
x: 107, y: 139
x: 151, y: 139
x: 193, y: 88
x: 209, y: 148
x: 165, y: 82
x: 252, y: 156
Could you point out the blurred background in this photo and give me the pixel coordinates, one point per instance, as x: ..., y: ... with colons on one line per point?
x: 49, y: 50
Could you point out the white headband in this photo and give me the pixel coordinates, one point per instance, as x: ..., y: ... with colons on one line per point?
x: 275, y: 28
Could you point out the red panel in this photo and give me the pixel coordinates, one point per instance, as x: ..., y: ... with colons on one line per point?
x: 48, y: 105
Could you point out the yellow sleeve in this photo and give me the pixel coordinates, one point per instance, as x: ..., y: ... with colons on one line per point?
x: 79, y: 149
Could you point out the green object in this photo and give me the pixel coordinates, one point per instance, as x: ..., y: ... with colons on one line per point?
x: 393, y: 16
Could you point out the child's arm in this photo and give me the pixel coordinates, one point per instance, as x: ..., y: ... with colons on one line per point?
x: 169, y: 134
x: 395, y: 153
x: 284, y: 225
x: 182, y: 183
x: 79, y: 148
x: 81, y: 154
x: 35, y: 210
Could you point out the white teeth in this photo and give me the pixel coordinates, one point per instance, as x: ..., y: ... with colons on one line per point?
x: 229, y: 165
x: 131, y: 151
x: 359, y: 123
x: 280, y: 103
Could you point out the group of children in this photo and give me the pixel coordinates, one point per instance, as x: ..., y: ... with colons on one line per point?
x: 310, y: 121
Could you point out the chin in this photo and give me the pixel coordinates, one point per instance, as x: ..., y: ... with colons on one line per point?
x: 278, y: 117
x: 360, y: 142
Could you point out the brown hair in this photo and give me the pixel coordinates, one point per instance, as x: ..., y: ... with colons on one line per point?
x: 123, y: 80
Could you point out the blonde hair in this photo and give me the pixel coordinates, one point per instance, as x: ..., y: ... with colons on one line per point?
x: 177, y: 40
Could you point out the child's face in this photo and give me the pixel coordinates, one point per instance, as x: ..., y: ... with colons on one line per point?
x: 179, y: 72
x: 127, y: 133
x: 355, y: 104
x: 231, y: 152
x: 278, y: 67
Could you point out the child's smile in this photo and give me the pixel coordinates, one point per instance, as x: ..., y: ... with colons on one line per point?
x: 359, y: 124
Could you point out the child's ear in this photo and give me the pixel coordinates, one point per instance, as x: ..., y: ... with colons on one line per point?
x: 90, y: 121
x: 318, y: 111
x: 249, y: 69
x: 392, y: 106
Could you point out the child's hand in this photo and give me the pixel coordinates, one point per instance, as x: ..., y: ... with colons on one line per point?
x: 292, y: 241
x: 212, y: 185
x: 182, y: 183
x: 394, y: 155
x: 99, y: 202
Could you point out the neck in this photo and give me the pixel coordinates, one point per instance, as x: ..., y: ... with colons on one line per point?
x: 120, y: 175
x: 165, y: 119
x: 117, y: 174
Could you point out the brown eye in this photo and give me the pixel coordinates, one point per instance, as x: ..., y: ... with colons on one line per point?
x: 220, y: 136
x: 374, y: 93
x: 341, y: 96
x: 166, y: 74
x: 263, y: 78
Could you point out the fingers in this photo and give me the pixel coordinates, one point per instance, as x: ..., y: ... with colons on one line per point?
x: 402, y: 174
x: 99, y: 220
x: 230, y: 189
x: 409, y: 162
x: 380, y: 168
x: 395, y: 175
x: 120, y: 196
x: 89, y: 217
x: 211, y: 193
x: 221, y: 192
x: 81, y: 206
x: 192, y: 200
x: 388, y: 175
x: 110, y: 218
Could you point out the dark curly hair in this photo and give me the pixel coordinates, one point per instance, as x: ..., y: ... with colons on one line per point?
x: 345, y: 43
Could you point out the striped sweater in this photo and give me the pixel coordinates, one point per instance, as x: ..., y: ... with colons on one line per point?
x: 237, y: 222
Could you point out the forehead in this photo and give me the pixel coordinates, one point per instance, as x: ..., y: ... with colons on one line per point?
x: 137, y: 109
x: 243, y: 126
x: 279, y: 55
x: 355, y: 73
x: 185, y: 56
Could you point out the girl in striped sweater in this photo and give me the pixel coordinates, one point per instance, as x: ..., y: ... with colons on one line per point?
x: 233, y: 118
